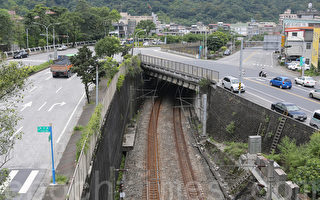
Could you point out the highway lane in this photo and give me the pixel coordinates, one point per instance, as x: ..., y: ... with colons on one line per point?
x: 258, y: 89
x: 46, y: 100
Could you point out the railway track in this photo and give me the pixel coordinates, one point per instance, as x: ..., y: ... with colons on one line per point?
x: 152, y: 183
x: 191, y: 185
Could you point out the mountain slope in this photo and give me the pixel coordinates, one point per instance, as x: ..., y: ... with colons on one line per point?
x: 183, y: 11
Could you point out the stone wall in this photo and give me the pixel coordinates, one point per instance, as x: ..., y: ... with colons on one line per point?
x: 226, y: 109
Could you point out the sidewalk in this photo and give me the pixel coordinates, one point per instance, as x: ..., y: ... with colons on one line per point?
x: 67, y: 162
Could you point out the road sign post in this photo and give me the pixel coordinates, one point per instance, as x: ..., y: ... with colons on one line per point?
x: 46, y: 129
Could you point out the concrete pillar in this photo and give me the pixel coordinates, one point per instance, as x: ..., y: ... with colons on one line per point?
x: 204, y: 115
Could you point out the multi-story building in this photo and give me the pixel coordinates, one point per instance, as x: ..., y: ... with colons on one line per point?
x: 240, y: 28
x: 219, y: 25
x: 287, y: 15
x: 126, y: 25
x: 299, y: 43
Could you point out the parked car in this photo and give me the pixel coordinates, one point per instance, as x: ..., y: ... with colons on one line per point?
x: 227, y: 52
x: 232, y: 83
x: 61, y: 48
x: 282, y: 82
x: 294, y: 65
x: 315, y: 119
x: 315, y: 94
x: 306, y: 67
x: 21, y: 54
x: 289, y: 109
x: 305, y: 81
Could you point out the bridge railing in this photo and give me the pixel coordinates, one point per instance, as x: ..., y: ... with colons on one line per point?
x: 10, y: 54
x: 181, y: 68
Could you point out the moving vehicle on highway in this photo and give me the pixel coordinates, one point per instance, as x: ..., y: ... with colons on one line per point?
x: 232, y: 83
x: 61, y: 48
x: 61, y: 66
x: 305, y: 81
x: 282, y: 82
x: 315, y: 119
x: 315, y: 94
x: 21, y: 54
x: 289, y: 109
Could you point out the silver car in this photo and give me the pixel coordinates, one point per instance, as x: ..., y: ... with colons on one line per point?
x: 305, y: 81
x: 232, y: 83
x: 315, y: 94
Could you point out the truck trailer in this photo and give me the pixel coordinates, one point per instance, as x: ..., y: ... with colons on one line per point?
x: 62, y: 66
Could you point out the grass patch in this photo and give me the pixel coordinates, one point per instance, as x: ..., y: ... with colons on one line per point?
x: 93, y: 127
x: 78, y: 128
x: 61, y: 179
x: 36, y: 68
x: 120, y: 81
x: 231, y: 127
x: 236, y: 149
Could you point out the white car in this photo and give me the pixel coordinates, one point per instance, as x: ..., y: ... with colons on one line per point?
x: 305, y: 81
x: 315, y: 94
x: 61, y: 48
x: 232, y: 83
x: 306, y: 67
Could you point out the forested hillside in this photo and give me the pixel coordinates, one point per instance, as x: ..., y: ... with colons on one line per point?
x: 183, y: 11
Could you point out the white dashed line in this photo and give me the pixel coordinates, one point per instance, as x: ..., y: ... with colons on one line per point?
x: 42, y: 106
x: 58, y: 89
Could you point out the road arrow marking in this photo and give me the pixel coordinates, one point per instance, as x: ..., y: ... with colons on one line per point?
x: 42, y: 106
x: 61, y: 104
x: 58, y: 89
x: 48, y: 78
x: 26, y: 105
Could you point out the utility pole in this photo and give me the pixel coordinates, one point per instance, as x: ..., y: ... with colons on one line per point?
x: 240, y: 68
x: 97, y: 86
x: 206, y: 47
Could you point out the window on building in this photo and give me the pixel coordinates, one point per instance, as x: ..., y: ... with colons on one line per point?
x: 294, y: 34
x: 308, y: 46
x: 307, y: 61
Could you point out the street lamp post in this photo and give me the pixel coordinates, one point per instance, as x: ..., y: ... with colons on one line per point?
x: 134, y: 39
x: 27, y: 29
x: 47, y: 27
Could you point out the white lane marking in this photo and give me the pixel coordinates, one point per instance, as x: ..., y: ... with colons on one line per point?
x: 33, y: 88
x: 50, y: 77
x: 300, y: 87
x: 25, y: 187
x: 58, y: 89
x: 12, y: 136
x: 266, y: 94
x: 74, y: 110
x: 12, y: 174
x: 42, y: 106
x: 48, y: 72
x: 61, y: 104
x: 258, y: 97
x: 26, y: 105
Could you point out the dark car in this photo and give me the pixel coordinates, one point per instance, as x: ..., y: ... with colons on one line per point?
x: 282, y: 82
x: 21, y: 54
x: 289, y: 109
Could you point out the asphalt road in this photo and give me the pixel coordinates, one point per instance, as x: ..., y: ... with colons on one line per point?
x: 258, y: 89
x: 46, y: 100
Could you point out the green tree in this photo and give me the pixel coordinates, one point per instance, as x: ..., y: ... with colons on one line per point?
x: 148, y: 25
x: 6, y: 29
x: 84, y: 64
x: 190, y: 37
x: 217, y: 40
x: 107, y: 46
x: 12, y: 83
x: 71, y: 25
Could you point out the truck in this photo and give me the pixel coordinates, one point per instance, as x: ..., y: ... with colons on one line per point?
x: 62, y: 66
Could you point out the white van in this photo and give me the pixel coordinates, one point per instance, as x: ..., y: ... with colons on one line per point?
x: 315, y: 119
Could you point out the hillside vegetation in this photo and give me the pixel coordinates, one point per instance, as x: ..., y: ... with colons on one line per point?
x: 182, y: 11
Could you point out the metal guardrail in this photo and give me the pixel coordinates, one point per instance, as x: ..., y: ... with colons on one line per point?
x: 181, y: 68
x: 9, y: 54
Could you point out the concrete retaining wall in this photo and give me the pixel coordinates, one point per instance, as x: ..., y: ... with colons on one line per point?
x: 109, y: 150
x: 226, y: 108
